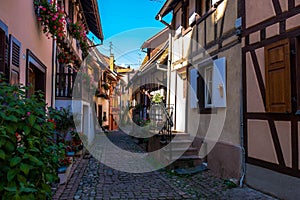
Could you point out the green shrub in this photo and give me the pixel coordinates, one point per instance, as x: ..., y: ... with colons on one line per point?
x: 28, y: 155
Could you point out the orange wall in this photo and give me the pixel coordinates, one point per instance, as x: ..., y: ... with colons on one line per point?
x: 20, y: 18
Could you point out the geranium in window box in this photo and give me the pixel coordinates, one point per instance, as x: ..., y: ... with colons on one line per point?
x: 78, y: 31
x: 51, y: 16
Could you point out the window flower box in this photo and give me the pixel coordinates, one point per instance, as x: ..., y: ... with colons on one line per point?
x: 51, y: 17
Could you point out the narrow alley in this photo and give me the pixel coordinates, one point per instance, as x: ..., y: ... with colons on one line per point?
x: 91, y: 179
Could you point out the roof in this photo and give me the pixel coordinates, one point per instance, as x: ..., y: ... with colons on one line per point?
x: 167, y: 7
x: 161, y: 34
x: 92, y: 16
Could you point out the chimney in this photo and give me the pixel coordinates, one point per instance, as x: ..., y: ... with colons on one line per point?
x: 112, y: 62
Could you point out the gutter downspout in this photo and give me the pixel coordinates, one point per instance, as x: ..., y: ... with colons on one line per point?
x: 169, y: 58
x: 243, y: 164
x: 53, y: 91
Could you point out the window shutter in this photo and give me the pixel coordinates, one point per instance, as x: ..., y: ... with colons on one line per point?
x: 2, y: 51
x: 14, y: 60
x: 278, y: 78
x: 219, y: 83
x: 193, y: 88
x: 200, y: 89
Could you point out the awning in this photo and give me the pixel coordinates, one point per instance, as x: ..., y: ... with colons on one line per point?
x: 92, y: 16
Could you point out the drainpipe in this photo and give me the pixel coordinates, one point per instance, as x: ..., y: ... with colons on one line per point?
x: 169, y: 57
x: 53, y: 91
x: 243, y: 164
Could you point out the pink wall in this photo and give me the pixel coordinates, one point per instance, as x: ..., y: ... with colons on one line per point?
x: 20, y: 18
x: 285, y: 139
x: 254, y: 98
x: 260, y: 143
x: 263, y: 10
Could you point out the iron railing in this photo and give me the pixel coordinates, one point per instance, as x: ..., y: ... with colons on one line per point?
x: 162, y: 116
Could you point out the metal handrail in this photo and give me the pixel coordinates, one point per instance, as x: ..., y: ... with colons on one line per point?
x: 166, y: 131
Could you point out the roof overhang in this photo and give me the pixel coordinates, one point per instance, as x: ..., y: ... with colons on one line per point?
x: 92, y: 16
x: 167, y: 7
x: 147, y: 43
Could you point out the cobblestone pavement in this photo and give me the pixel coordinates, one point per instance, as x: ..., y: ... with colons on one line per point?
x: 94, y: 180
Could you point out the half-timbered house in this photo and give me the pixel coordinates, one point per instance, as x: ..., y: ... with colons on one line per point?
x: 204, y: 80
x: 271, y: 90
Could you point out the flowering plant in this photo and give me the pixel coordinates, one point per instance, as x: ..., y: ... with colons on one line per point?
x: 65, y: 57
x: 78, y: 31
x: 51, y: 17
x: 65, y: 161
x: 28, y: 153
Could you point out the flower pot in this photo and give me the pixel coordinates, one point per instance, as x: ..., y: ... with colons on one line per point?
x: 63, y: 173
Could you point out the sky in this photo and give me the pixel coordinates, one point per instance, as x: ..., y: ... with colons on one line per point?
x: 127, y: 24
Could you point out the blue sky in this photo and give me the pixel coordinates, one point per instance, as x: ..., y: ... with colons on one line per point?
x: 127, y: 24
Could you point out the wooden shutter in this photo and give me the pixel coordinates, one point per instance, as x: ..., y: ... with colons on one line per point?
x: 278, y: 77
x: 2, y: 51
x: 14, y: 61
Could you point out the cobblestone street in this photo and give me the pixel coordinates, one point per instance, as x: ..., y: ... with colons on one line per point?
x: 91, y: 179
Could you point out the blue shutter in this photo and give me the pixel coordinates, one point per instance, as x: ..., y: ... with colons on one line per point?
x: 219, y: 83
x: 193, y: 88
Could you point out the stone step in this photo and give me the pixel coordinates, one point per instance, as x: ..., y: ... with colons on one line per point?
x: 180, y: 144
x: 180, y: 135
x: 182, y: 158
x: 184, y: 162
x: 181, y: 151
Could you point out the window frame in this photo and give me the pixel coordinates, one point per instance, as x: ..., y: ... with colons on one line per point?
x: 4, y: 28
x: 203, y: 109
x: 31, y: 59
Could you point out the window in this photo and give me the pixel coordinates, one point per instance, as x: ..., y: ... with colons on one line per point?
x: 3, y: 48
x: 36, y: 74
x: 211, y: 85
x: 278, y: 77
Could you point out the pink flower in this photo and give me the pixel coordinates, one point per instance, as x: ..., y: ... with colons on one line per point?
x: 28, y: 113
x: 39, y: 18
x: 44, y: 9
